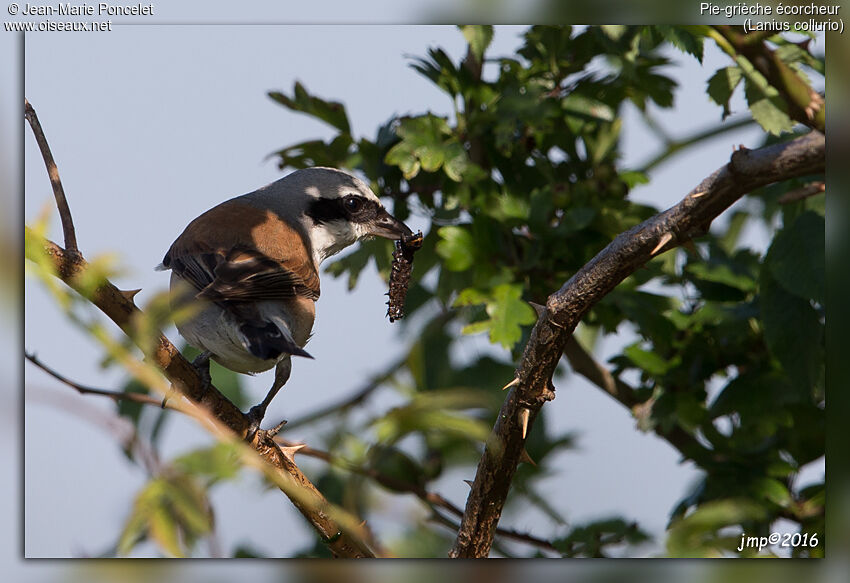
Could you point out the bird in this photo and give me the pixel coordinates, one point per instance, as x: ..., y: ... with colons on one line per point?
x: 248, y: 269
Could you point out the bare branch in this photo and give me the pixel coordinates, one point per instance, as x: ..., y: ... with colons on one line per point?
x: 805, y: 191
x: 84, y: 390
x: 53, y: 172
x: 746, y: 171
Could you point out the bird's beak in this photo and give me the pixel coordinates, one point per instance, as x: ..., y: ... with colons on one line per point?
x: 387, y: 226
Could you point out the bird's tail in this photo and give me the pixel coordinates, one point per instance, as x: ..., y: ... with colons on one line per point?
x: 266, y: 340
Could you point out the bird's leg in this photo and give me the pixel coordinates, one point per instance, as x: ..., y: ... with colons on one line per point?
x: 257, y: 412
x: 202, y: 365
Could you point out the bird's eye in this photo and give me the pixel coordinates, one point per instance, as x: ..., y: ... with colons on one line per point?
x: 353, y: 204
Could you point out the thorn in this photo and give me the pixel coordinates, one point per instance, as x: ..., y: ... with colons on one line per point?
x: 524, y: 457
x: 513, y: 383
x: 538, y: 308
x: 523, y: 418
x: 665, y: 238
x: 290, y: 451
x: 129, y: 294
x: 362, y: 524
x: 468, y: 483
x: 699, y: 194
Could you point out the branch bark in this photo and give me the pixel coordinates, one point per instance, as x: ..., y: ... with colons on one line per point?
x: 746, y: 171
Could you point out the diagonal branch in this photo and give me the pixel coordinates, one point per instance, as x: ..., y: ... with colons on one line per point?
x: 746, y: 171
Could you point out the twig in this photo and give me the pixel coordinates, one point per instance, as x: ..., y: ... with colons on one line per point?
x: 673, y: 147
x: 53, y: 172
x: 746, y: 171
x: 805, y: 191
x: 84, y: 390
x: 355, y: 399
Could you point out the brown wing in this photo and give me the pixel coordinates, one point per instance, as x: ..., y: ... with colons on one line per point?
x: 236, y: 252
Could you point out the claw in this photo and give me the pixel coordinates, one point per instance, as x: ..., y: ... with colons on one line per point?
x: 255, y: 417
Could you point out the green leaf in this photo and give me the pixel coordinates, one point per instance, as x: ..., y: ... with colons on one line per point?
x: 456, y: 247
x: 796, y: 257
x: 722, y: 85
x: 162, y: 529
x: 792, y: 330
x: 456, y: 161
x: 682, y: 39
x: 773, y: 490
x: 402, y: 155
x: 697, y: 534
x: 508, y: 313
x: 219, y: 462
x: 479, y: 38
x: 769, y: 111
x: 646, y: 360
x: 331, y: 112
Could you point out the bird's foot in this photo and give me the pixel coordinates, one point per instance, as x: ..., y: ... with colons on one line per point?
x: 255, y: 417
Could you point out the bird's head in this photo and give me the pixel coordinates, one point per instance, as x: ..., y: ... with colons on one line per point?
x: 341, y: 209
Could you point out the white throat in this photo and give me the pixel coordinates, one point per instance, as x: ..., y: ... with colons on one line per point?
x: 330, y: 238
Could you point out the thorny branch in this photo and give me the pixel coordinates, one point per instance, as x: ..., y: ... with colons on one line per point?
x: 69, y: 265
x: 532, y: 386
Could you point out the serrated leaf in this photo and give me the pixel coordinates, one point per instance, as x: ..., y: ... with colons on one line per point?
x: 331, y: 112
x: 508, y: 313
x: 796, y: 257
x: 769, y: 111
x: 722, y: 85
x: 683, y: 40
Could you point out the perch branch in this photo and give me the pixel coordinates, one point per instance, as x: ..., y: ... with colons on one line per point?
x: 690, y: 218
